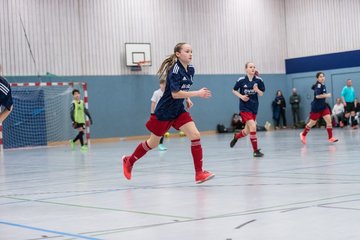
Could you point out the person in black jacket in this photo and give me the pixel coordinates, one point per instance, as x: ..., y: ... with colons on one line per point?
x: 279, y: 107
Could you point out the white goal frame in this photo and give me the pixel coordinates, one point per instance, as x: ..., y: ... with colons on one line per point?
x: 83, y: 85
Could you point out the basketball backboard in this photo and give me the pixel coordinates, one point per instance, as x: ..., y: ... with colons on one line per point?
x: 138, y: 53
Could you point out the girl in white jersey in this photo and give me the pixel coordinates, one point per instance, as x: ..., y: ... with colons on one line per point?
x: 154, y: 101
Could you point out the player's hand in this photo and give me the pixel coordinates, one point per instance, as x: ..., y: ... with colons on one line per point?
x: 245, y: 98
x: 344, y: 104
x: 204, y: 93
x: 328, y: 95
x: 189, y: 104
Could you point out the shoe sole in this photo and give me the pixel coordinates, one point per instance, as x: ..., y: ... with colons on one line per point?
x: 123, y: 158
x: 72, y: 145
x: 206, y: 179
x: 258, y: 156
x: 334, y: 141
x: 232, y: 144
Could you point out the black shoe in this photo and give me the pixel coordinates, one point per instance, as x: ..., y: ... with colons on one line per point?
x: 233, y: 142
x: 257, y: 153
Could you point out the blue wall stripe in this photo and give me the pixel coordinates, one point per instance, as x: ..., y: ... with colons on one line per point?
x: 323, y: 62
x: 120, y: 105
x: 49, y: 231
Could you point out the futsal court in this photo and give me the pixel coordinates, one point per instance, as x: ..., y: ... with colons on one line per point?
x: 295, y: 192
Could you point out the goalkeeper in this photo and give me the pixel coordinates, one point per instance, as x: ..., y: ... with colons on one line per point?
x: 77, y: 114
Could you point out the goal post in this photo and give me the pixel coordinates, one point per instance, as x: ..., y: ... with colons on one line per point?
x: 41, y: 114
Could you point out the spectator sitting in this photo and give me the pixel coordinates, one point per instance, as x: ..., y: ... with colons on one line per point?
x: 357, y: 111
x: 236, y: 122
x: 338, y: 113
x: 321, y: 122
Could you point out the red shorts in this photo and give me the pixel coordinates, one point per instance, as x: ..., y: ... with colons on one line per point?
x: 246, y: 116
x: 317, y: 115
x: 159, y: 128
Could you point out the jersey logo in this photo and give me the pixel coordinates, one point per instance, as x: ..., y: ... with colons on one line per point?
x: 184, y: 79
x: 245, y: 85
x: 319, y: 85
x: 185, y: 87
x: 249, y: 92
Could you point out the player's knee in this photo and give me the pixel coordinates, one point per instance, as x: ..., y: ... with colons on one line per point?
x: 153, y: 142
x: 194, y: 135
x: 311, y: 123
x: 252, y: 128
x: 246, y: 132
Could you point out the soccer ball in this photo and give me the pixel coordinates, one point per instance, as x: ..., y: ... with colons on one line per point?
x: 167, y: 134
x: 181, y: 134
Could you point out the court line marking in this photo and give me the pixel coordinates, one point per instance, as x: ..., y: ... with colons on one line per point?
x: 281, y: 208
x: 103, y: 208
x: 276, y: 207
x: 164, y: 186
x: 245, y: 223
x: 48, y: 230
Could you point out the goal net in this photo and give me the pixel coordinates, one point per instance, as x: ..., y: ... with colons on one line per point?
x: 41, y: 114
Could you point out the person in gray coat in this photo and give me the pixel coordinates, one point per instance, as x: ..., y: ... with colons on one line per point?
x: 295, y: 100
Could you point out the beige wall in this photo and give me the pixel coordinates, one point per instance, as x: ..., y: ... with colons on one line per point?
x: 87, y: 37
x: 322, y: 26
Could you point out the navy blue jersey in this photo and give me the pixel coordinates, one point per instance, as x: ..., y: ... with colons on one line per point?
x: 245, y: 87
x: 5, y: 94
x: 178, y: 79
x: 318, y: 104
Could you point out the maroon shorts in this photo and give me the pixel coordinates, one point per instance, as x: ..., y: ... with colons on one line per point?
x: 246, y: 116
x: 159, y: 128
x: 317, y: 115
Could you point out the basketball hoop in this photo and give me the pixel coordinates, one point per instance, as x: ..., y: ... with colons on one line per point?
x: 139, y: 66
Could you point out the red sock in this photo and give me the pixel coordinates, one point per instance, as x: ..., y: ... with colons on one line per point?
x: 329, y: 130
x: 253, y: 140
x: 140, y: 151
x: 306, y: 130
x: 196, y: 151
x: 241, y: 134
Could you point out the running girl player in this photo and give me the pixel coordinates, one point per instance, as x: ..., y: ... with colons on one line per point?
x: 247, y: 89
x: 170, y: 111
x: 319, y: 109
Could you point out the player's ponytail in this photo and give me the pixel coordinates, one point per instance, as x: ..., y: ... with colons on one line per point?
x: 169, y: 62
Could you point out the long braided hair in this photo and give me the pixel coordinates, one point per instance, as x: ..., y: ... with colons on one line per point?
x: 169, y: 62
